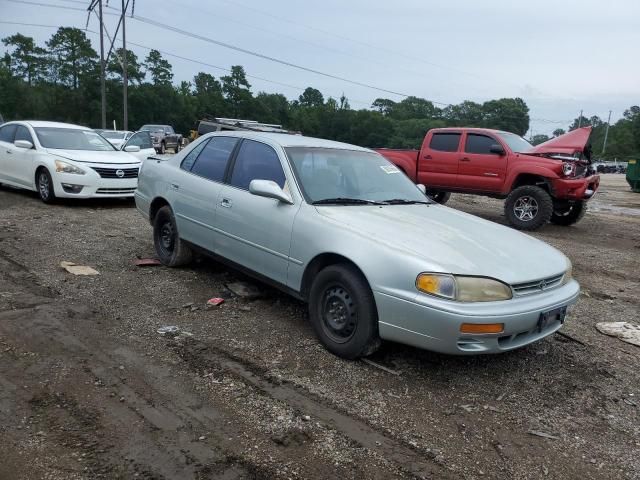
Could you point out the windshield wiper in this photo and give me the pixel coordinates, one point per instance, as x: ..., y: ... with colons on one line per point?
x: 404, y: 201
x: 345, y: 201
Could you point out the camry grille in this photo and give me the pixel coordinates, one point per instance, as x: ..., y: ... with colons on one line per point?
x: 537, y: 286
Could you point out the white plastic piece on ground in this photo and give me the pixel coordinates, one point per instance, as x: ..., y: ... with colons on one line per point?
x: 169, y: 329
x: 625, y: 331
x: 78, y: 269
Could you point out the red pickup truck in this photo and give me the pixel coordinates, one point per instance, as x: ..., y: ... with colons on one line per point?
x: 549, y: 182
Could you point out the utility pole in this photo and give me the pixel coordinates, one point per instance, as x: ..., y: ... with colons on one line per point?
x: 580, y: 119
x: 103, y: 94
x: 125, y: 80
x: 606, y: 134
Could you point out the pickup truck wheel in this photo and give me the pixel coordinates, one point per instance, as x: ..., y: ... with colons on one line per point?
x: 178, y: 146
x: 163, y: 148
x: 570, y: 214
x: 343, y: 312
x: 528, y: 207
x: 171, y: 250
x: 438, y: 196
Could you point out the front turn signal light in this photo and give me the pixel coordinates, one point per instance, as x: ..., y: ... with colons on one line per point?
x: 475, y: 328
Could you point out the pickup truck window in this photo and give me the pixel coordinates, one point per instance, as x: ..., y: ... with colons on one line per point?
x: 212, y: 161
x: 479, y: 144
x: 189, y: 160
x: 515, y: 142
x: 256, y: 160
x: 445, y: 142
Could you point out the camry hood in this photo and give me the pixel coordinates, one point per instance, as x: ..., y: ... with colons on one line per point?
x: 572, y: 143
x: 89, y: 156
x: 452, y: 241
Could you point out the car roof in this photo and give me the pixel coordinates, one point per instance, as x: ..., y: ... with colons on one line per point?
x: 40, y: 123
x: 287, y: 140
x: 469, y: 129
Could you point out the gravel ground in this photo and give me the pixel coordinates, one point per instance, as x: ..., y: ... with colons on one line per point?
x: 89, y: 389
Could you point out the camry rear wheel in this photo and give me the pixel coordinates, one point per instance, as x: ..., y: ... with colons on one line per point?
x: 44, y: 184
x: 528, y: 207
x: 343, y: 312
x: 171, y: 250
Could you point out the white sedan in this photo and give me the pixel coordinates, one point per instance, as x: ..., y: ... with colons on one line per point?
x: 60, y: 160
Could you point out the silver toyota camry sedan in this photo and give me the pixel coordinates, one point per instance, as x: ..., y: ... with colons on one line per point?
x: 343, y: 229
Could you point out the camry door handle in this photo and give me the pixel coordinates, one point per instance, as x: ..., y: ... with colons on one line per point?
x: 225, y: 202
x: 9, y: 152
x: 465, y: 159
x: 175, y: 186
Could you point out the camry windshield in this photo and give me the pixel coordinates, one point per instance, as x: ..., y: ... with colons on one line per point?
x: 337, y: 176
x: 72, y: 139
x: 516, y: 143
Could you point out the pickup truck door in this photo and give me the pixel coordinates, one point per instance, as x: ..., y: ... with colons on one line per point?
x: 254, y: 231
x: 480, y: 169
x: 195, y: 190
x: 438, y: 160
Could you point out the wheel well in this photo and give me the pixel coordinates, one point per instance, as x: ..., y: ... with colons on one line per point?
x: 319, y: 263
x: 156, y: 205
x: 531, y: 179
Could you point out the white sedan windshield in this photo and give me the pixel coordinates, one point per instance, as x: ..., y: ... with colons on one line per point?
x: 72, y: 139
x: 328, y: 174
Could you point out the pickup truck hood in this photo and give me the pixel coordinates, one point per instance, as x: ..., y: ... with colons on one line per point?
x: 452, y: 241
x: 576, y: 141
x: 89, y: 156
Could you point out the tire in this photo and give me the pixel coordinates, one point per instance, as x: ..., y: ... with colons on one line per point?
x: 163, y: 148
x: 343, y: 312
x: 528, y: 207
x: 570, y: 214
x: 171, y: 250
x: 439, y: 196
x: 44, y: 186
x: 178, y: 146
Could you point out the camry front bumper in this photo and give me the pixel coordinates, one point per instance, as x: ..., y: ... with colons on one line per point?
x: 434, y: 324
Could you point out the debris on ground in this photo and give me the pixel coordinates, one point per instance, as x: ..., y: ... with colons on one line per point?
x: 244, y: 290
x: 168, y: 330
x: 381, y: 367
x: 78, y: 269
x: 542, y: 434
x: 147, y: 262
x: 215, y: 301
x: 625, y: 331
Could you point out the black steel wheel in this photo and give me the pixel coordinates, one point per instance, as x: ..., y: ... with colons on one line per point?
x: 171, y: 250
x: 343, y: 312
x: 44, y: 184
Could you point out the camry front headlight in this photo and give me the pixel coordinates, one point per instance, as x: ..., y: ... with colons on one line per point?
x: 568, y: 274
x: 64, y: 167
x: 463, y: 289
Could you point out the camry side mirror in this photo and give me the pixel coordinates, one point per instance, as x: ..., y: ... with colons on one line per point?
x: 422, y: 188
x: 132, y: 148
x: 497, y: 148
x: 23, y: 144
x: 269, y: 189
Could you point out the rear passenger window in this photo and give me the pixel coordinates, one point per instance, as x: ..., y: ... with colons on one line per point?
x: 7, y: 133
x: 479, y: 144
x: 212, y: 161
x: 22, y: 133
x: 189, y: 160
x: 256, y: 161
x: 445, y: 142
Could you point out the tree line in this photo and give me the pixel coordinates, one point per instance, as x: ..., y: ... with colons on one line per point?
x: 60, y: 81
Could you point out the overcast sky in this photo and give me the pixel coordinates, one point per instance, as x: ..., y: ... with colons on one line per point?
x: 560, y: 56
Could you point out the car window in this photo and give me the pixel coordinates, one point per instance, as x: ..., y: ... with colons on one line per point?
x: 256, y: 161
x: 212, y: 161
x: 22, y: 133
x: 7, y: 133
x: 445, y: 142
x: 188, y: 161
x: 479, y: 144
x: 169, y: 130
x: 140, y: 139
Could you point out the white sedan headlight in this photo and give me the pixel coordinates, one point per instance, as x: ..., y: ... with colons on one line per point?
x: 64, y: 167
x: 463, y: 289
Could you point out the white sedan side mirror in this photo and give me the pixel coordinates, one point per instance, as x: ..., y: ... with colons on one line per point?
x: 23, y: 144
x: 269, y: 189
x: 132, y: 148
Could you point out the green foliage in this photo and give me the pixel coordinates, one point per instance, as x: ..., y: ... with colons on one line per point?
x: 540, y: 138
x: 62, y: 83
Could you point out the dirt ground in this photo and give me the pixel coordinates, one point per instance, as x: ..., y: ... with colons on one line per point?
x: 89, y: 389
